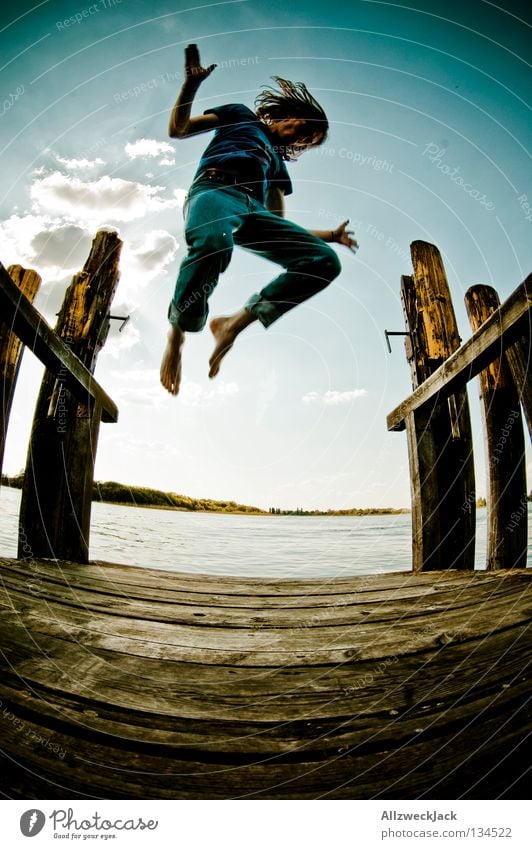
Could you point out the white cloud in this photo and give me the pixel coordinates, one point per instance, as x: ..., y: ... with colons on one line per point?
x: 142, y: 387
x: 79, y: 164
x: 151, y: 149
x: 143, y: 261
x: 124, y: 340
x: 333, y: 397
x: 54, y: 245
x: 157, y: 249
x: 132, y: 445
x: 137, y: 386
x: 195, y: 395
x: 96, y: 200
x: 180, y: 195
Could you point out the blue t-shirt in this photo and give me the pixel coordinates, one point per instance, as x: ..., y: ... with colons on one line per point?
x: 241, y: 143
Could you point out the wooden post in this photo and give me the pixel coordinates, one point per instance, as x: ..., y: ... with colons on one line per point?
x: 439, y: 438
x: 505, y: 448
x: 519, y: 359
x: 57, y: 492
x: 28, y: 282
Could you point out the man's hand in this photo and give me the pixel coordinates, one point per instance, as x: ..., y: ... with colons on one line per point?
x: 344, y: 237
x: 181, y: 124
x: 193, y: 69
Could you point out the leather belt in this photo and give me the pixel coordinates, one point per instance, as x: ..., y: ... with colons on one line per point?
x: 224, y: 178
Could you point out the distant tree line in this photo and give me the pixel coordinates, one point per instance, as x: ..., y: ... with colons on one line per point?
x: 353, y: 511
x: 141, y: 496
x: 144, y: 496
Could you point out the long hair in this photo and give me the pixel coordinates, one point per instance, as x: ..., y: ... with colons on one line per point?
x: 293, y: 100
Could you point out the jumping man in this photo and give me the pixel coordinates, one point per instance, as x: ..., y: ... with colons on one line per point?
x: 237, y: 197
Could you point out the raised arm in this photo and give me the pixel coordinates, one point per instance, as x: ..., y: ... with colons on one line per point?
x: 181, y: 124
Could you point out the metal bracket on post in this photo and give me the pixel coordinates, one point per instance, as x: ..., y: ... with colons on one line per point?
x: 123, y: 318
x: 389, y: 333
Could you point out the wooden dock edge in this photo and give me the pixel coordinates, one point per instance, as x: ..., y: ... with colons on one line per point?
x: 122, y: 682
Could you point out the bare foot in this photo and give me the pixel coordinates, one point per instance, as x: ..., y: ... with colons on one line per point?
x: 225, y: 329
x: 171, y: 364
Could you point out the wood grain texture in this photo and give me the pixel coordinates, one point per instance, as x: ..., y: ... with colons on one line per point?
x: 58, y: 481
x: 27, y: 282
x: 440, y: 445
x: 30, y: 326
x: 121, y: 682
x: 497, y: 334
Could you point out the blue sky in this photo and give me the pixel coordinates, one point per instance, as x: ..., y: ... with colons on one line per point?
x: 418, y: 95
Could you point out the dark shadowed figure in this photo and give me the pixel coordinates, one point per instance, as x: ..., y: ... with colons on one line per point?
x: 237, y: 198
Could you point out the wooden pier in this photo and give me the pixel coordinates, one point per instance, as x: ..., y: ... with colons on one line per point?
x: 134, y: 683
x: 125, y: 682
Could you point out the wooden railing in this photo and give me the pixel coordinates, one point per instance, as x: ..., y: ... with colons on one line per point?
x: 436, y: 417
x: 58, y: 481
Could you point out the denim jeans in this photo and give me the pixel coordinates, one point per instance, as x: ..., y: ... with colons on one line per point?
x: 218, y: 218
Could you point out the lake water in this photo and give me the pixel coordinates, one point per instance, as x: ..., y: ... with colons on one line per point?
x: 270, y: 546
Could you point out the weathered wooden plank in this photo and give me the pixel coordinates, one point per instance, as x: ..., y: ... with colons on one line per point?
x: 215, y: 601
x: 387, y: 717
x: 204, y: 611
x: 58, y: 482
x: 122, y: 575
x: 366, y: 690
x: 189, y: 589
x: 100, y: 700
x: 97, y: 703
x: 496, y: 335
x: 371, y: 594
x: 27, y: 282
x: 434, y: 304
x: 35, y: 333
x: 266, y: 646
x: 361, y: 691
x: 414, y: 329
x: 424, y: 757
x: 505, y: 447
x: 106, y: 679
